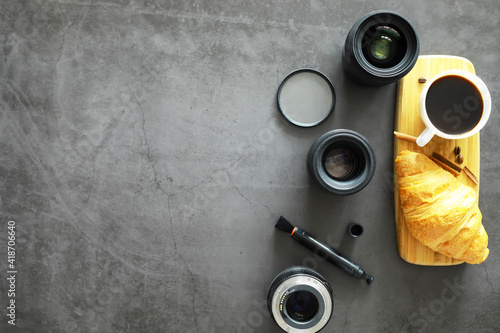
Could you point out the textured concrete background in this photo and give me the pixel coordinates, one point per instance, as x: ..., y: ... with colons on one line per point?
x: 145, y: 163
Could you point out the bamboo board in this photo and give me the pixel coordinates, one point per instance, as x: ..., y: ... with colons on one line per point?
x: 407, y: 121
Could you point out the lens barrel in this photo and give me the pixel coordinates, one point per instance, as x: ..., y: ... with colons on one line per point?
x: 300, y: 300
x: 380, y: 48
x: 341, y: 162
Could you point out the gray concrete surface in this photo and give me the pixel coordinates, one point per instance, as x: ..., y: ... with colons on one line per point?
x: 144, y: 163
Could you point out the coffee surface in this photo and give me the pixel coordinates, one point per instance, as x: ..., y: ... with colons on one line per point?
x: 454, y: 104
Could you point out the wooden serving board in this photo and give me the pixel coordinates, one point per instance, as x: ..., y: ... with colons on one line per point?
x: 407, y: 121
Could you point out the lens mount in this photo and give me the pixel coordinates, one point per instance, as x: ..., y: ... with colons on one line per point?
x: 341, y: 162
x: 300, y: 300
x: 380, y: 48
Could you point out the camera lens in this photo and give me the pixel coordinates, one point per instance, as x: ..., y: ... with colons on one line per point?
x: 300, y: 300
x: 341, y: 162
x: 381, y: 48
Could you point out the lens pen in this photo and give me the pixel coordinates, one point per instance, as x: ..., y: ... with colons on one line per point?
x: 326, y: 252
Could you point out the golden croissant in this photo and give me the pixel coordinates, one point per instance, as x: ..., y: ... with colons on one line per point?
x: 439, y: 211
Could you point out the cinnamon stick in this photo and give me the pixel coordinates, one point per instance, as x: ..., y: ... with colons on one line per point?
x: 405, y: 137
x: 446, y: 167
x: 446, y: 161
x: 471, y: 175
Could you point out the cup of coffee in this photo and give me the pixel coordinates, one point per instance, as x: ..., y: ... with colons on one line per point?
x: 455, y: 104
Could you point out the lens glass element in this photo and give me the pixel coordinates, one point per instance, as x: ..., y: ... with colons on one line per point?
x: 381, y: 47
x: 384, y: 46
x: 302, y: 305
x: 339, y: 163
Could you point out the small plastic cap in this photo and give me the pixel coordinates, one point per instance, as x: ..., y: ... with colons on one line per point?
x: 355, y: 229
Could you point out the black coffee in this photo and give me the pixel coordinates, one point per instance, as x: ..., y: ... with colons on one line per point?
x: 454, y: 104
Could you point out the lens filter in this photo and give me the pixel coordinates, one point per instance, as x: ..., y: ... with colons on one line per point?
x: 306, y: 97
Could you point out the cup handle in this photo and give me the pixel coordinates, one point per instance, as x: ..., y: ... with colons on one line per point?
x: 425, y: 137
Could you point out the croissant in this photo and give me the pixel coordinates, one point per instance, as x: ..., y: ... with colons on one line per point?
x: 440, y: 212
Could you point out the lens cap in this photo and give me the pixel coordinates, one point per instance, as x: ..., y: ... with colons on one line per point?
x: 306, y: 97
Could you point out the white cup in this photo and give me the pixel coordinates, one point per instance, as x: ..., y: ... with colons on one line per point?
x: 460, y: 112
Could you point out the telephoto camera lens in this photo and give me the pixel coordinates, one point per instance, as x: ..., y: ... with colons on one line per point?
x: 341, y: 162
x: 381, y: 48
x: 300, y: 300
